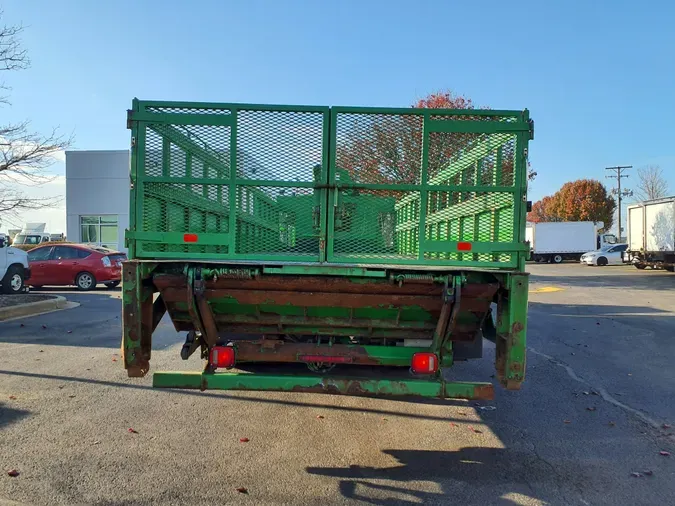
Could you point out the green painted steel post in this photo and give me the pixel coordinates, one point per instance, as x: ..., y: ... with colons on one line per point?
x: 424, y: 179
x: 133, y: 176
x: 137, y: 318
x: 511, y: 332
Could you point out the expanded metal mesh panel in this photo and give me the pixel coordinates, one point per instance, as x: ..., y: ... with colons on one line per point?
x: 184, y: 151
x: 260, y: 177
x: 279, y: 145
x: 378, y: 148
x: 174, y: 207
x: 189, y: 110
x: 470, y: 217
x: 368, y: 227
x: 277, y: 220
x: 469, y: 159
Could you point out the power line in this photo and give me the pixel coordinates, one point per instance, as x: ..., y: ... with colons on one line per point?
x: 619, y: 169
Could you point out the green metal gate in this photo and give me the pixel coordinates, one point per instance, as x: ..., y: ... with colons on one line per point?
x: 241, y: 182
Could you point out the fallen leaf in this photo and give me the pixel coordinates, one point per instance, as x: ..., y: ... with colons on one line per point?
x: 384, y: 419
x: 42, y: 351
x: 97, y: 442
x: 572, y: 353
x: 22, y: 325
x: 87, y: 369
x: 567, y: 421
x: 612, y: 424
x: 61, y: 386
x: 12, y: 397
x: 242, y: 490
x: 13, y: 473
x: 648, y: 472
x: 462, y: 414
x: 664, y: 453
x: 320, y: 417
x: 630, y: 374
x: 476, y: 430
x: 636, y: 475
x: 591, y: 408
x: 114, y: 359
x: 597, y: 323
x: 593, y: 392
x: 44, y: 326
x: 244, y: 440
x: 666, y: 426
x: 587, y: 393
x: 132, y: 430
x: 72, y: 396
x: 69, y: 332
x: 453, y: 424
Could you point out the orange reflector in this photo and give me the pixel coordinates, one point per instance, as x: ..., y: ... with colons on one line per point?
x: 424, y: 363
x: 190, y: 237
x: 222, y: 357
x: 324, y: 358
x: 463, y: 246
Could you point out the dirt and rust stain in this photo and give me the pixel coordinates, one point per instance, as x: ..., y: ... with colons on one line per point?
x: 484, y: 392
x: 517, y: 327
x: 270, y: 350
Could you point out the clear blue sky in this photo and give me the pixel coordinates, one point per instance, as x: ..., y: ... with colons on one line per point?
x: 597, y: 76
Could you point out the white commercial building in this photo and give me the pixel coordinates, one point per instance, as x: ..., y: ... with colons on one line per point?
x: 97, y: 197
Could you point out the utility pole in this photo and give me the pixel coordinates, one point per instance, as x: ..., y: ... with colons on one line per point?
x: 617, y: 191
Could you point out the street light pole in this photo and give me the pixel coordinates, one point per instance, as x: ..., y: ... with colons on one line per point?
x: 617, y: 191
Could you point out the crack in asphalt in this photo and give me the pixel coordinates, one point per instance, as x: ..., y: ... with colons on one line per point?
x: 601, y: 390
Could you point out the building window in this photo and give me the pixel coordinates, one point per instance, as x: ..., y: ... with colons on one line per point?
x: 99, y: 230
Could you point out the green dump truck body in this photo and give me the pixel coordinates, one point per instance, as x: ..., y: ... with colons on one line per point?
x: 335, y: 237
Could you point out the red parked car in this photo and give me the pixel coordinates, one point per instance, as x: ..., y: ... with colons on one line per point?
x: 75, y: 264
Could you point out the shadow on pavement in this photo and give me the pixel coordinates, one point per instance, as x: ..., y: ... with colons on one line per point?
x: 226, y: 396
x: 11, y: 415
x: 470, y: 475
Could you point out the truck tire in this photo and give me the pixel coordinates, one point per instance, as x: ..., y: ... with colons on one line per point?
x: 670, y: 268
x: 602, y: 261
x: 556, y: 259
x: 640, y: 266
x: 12, y: 283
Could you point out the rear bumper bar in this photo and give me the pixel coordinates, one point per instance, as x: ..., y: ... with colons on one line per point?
x: 324, y: 384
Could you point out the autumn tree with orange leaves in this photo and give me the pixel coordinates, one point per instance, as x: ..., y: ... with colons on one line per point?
x: 582, y: 200
x: 387, y: 149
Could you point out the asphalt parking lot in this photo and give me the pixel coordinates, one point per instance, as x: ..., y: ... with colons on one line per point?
x: 596, y: 407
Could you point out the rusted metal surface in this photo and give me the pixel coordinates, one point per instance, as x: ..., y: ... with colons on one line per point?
x: 484, y: 392
x: 325, y: 385
x: 279, y: 351
x: 137, y: 320
x: 326, y: 285
x: 269, y: 295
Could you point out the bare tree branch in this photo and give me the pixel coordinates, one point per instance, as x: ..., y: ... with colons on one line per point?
x: 25, y: 156
x: 651, y: 183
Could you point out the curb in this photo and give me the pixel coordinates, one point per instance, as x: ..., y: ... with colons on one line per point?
x: 31, y: 308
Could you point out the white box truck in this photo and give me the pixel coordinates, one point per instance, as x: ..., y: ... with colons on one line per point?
x: 565, y: 240
x: 651, y: 234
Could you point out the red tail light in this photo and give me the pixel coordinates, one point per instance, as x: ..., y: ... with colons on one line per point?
x: 463, y: 246
x: 424, y: 363
x: 222, y: 357
x: 190, y: 237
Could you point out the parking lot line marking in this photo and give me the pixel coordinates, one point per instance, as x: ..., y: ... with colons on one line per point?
x: 546, y: 289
